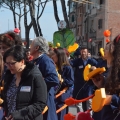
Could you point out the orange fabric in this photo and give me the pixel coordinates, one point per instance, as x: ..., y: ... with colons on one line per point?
x: 61, y: 92
x: 45, y: 109
x: 72, y: 101
x: 98, y: 100
x: 62, y: 108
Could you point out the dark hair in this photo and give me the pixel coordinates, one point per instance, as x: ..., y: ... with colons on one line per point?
x: 62, y: 58
x: 83, y: 47
x: 113, y: 82
x: 27, y: 50
x: 1, y: 66
x: 10, y: 39
x: 17, y: 52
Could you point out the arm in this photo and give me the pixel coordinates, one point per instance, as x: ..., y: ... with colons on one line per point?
x: 68, y: 76
x: 94, y: 62
x: 38, y: 104
x: 115, y: 100
x: 49, y: 73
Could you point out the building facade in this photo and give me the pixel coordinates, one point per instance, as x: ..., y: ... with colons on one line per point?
x: 92, y: 18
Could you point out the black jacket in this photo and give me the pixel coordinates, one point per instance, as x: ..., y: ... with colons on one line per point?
x: 29, y: 105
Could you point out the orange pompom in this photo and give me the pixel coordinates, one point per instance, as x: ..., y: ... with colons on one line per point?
x: 107, y: 40
x: 107, y: 33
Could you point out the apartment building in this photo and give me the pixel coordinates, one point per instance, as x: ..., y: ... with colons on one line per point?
x: 92, y: 18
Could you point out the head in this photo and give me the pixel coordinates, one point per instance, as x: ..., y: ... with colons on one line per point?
x: 59, y: 57
x: 39, y: 45
x: 113, y: 82
x: 108, y: 51
x: 89, y: 54
x: 8, y: 40
x: 28, y: 52
x: 15, y: 58
x: 84, y: 53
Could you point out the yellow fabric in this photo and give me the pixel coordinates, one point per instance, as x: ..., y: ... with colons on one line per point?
x: 98, y: 100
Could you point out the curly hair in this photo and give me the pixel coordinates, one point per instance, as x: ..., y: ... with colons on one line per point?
x: 113, y: 81
x: 10, y: 39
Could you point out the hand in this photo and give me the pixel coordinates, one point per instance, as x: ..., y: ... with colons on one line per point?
x: 98, y: 81
x: 108, y: 99
x: 9, y: 118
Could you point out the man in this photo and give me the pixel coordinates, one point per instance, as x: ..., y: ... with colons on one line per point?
x: 38, y: 50
x: 82, y: 89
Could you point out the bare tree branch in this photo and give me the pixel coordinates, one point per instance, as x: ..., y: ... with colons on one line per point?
x: 43, y: 9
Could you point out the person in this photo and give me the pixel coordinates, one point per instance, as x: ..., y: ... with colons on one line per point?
x: 111, y: 109
x: 66, y: 80
x: 29, y: 57
x: 39, y: 50
x: 25, y: 92
x: 8, y: 40
x: 82, y: 89
x: 89, y: 55
x: 102, y: 62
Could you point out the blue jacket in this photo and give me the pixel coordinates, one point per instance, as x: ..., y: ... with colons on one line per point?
x: 68, y: 77
x: 79, y: 82
x: 48, y: 70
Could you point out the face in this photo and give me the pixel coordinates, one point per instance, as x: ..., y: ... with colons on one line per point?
x: 28, y: 53
x: 3, y: 48
x: 14, y: 66
x: 107, y: 53
x: 84, y: 53
x: 32, y: 48
x: 54, y: 57
x: 89, y: 55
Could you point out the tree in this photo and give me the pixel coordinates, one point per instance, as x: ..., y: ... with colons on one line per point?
x: 56, y: 11
x: 64, y: 12
x: 10, y: 4
x: 27, y: 27
x: 35, y: 20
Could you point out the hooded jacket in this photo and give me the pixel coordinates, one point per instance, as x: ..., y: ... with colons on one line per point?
x: 29, y: 105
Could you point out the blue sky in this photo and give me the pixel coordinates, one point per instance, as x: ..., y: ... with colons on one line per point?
x: 47, y: 21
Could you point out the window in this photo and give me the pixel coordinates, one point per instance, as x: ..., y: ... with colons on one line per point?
x: 100, y: 24
x: 81, y: 11
x: 72, y: 18
x: 78, y: 30
x: 99, y: 45
x: 101, y: 2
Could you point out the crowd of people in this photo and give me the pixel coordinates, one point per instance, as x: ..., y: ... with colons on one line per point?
x: 31, y: 79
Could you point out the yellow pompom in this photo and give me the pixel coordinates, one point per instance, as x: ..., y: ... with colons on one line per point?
x: 58, y: 44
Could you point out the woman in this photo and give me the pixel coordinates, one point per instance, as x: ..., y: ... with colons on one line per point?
x: 25, y: 92
x: 8, y: 40
x: 66, y: 78
x: 111, y: 109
